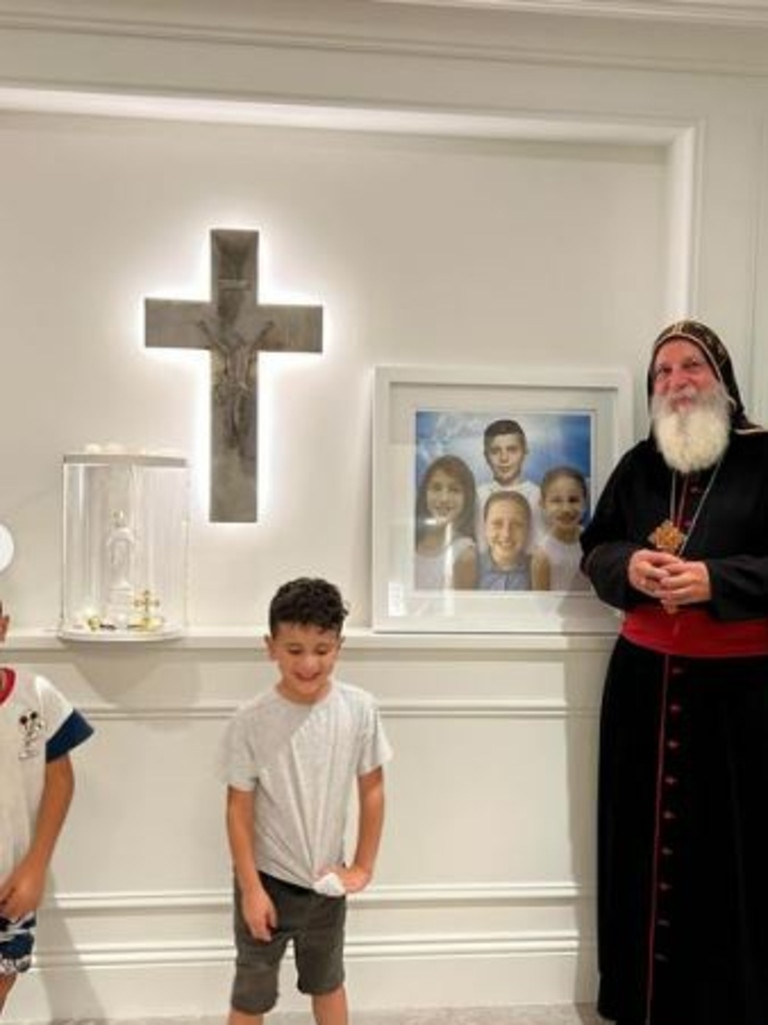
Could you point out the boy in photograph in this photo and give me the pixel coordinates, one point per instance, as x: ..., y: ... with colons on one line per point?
x: 505, y: 448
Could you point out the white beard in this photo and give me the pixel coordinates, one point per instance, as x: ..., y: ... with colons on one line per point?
x: 696, y: 437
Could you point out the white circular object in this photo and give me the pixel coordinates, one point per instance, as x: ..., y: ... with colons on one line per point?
x: 6, y: 547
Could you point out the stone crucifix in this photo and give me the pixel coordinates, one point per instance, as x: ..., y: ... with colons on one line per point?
x: 235, y: 328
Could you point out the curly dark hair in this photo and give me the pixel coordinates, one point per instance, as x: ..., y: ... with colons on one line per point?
x: 308, y: 601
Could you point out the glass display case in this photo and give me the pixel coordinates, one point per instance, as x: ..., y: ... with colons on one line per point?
x: 124, y: 546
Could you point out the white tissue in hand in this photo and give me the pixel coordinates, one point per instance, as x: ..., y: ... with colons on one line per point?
x: 329, y: 885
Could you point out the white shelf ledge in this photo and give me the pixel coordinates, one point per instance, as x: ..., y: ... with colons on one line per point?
x: 220, y: 638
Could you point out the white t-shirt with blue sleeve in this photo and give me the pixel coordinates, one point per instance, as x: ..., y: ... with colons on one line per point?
x: 37, y: 726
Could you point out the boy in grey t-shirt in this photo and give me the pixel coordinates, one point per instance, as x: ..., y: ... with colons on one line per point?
x: 290, y: 758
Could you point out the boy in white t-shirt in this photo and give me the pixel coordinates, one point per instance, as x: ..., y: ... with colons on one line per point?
x: 290, y: 759
x: 38, y: 729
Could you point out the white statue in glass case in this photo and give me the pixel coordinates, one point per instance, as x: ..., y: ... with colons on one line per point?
x: 124, y: 546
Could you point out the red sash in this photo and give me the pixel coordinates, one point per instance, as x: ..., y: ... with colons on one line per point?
x: 694, y: 633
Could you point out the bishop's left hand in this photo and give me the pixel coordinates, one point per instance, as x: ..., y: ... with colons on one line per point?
x: 685, y: 583
x: 646, y: 569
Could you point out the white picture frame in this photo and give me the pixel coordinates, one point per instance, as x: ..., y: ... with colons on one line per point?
x: 421, y: 412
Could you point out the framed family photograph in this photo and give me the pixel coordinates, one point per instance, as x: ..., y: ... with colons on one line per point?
x: 482, y: 482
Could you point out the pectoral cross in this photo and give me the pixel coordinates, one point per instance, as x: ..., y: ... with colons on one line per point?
x: 667, y: 538
x: 235, y: 328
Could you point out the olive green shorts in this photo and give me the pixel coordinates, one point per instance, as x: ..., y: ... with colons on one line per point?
x: 315, y: 924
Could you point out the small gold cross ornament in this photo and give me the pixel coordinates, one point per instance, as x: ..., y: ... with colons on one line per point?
x: 667, y: 538
x: 145, y: 603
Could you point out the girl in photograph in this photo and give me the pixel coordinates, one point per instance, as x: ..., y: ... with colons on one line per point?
x: 505, y: 564
x: 563, y: 504
x: 446, y: 553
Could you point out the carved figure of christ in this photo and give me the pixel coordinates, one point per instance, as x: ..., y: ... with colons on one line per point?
x: 234, y: 327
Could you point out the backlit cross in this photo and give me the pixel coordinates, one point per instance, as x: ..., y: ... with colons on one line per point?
x: 235, y: 328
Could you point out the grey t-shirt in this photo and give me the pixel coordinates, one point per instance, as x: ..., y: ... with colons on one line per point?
x: 301, y: 762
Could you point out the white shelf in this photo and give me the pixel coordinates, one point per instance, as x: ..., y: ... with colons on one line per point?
x: 355, y: 638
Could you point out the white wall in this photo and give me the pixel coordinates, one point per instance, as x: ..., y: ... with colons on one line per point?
x: 421, y: 250
x: 483, y: 892
x: 492, y: 191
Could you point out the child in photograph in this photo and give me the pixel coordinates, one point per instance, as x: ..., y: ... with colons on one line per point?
x: 446, y: 552
x: 556, y: 561
x: 505, y: 448
x: 38, y: 729
x: 290, y: 759
x: 505, y: 564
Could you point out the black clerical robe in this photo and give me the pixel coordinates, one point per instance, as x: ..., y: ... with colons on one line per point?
x: 683, y: 776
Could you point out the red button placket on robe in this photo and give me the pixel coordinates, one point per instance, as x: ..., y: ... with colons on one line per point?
x: 671, y: 755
